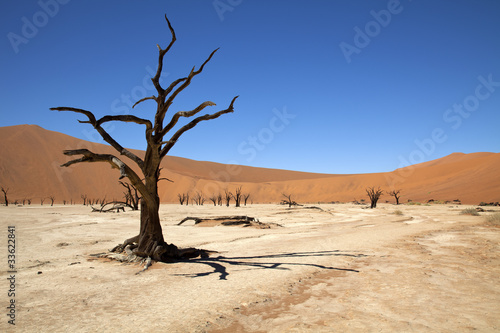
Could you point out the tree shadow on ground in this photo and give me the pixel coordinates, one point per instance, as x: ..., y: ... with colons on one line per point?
x: 220, y: 264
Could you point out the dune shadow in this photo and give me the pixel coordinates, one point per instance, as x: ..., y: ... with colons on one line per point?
x: 220, y: 264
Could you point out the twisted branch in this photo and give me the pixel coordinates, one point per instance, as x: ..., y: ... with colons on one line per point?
x: 144, y: 99
x: 170, y: 143
x: 116, y: 163
x: 164, y: 103
x: 162, y: 52
x: 105, y: 135
x: 186, y: 114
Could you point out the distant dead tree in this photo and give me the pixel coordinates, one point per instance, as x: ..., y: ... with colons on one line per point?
x: 227, y: 197
x: 237, y: 196
x: 288, y: 200
x: 131, y: 196
x: 149, y: 243
x: 182, y: 198
x: 213, y: 198
x: 245, y: 198
x: 5, y: 190
x: 396, y: 195
x: 29, y: 201
x: 41, y: 201
x: 374, y: 195
x: 52, y: 199
x: 219, y: 199
x: 84, y: 198
x: 199, y: 199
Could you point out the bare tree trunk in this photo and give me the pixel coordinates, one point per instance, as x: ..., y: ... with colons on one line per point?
x: 151, y: 242
x: 182, y: 198
x: 237, y: 196
x: 396, y: 195
x: 5, y: 196
x: 227, y: 196
x: 245, y: 198
x: 374, y: 195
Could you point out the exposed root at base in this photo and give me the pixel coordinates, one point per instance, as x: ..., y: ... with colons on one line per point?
x: 126, y: 253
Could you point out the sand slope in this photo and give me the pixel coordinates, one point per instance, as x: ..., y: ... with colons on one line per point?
x: 30, y: 159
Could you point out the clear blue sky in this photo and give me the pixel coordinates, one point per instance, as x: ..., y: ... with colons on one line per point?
x: 325, y: 86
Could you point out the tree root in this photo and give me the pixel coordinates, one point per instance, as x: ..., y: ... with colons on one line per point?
x: 127, y: 253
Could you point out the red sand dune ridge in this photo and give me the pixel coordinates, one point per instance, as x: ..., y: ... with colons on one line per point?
x: 30, y: 159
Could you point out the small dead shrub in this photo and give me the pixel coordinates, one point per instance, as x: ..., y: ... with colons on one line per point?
x: 493, y: 219
x: 397, y: 212
x: 469, y: 211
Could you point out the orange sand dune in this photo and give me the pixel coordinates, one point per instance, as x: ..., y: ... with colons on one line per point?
x: 30, y: 159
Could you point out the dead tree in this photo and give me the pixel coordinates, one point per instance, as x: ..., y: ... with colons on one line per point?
x: 288, y: 201
x: 396, y: 195
x: 237, y: 196
x: 84, y: 197
x: 245, y: 198
x: 219, y: 199
x: 227, y: 197
x: 41, y: 201
x: 182, y: 198
x: 374, y: 195
x: 5, y: 190
x: 131, y: 196
x: 161, y: 135
x: 52, y: 199
x: 199, y: 199
x: 213, y: 198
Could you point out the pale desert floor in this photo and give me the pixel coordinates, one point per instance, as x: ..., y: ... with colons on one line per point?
x: 343, y: 268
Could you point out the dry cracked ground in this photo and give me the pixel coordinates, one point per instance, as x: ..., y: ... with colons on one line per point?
x: 328, y: 268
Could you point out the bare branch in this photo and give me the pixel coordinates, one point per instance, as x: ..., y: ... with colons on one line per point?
x: 169, y: 144
x: 186, y: 114
x: 187, y: 80
x: 144, y: 99
x: 97, y: 125
x: 125, y: 118
x: 125, y: 170
x: 173, y: 85
x: 160, y: 115
x: 162, y: 52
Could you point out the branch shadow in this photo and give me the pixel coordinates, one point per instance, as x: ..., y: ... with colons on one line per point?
x: 220, y: 264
